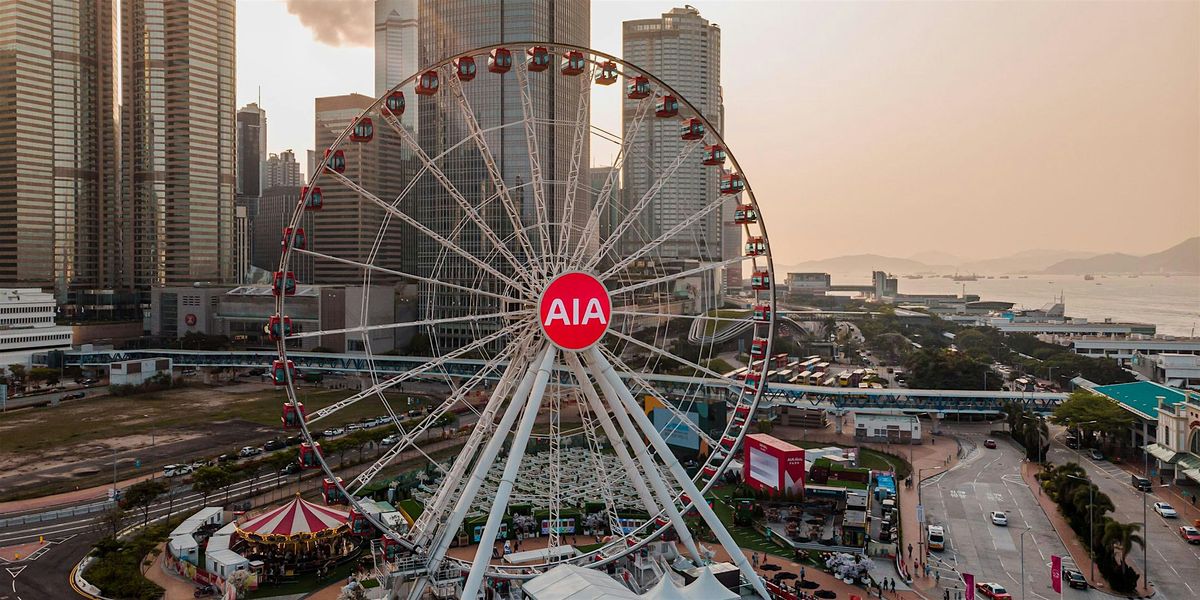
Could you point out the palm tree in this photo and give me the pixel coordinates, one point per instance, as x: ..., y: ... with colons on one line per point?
x: 1122, y: 536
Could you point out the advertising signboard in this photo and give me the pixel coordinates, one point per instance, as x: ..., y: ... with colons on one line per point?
x: 770, y: 464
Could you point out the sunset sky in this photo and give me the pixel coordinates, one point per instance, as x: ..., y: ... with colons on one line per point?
x: 974, y: 128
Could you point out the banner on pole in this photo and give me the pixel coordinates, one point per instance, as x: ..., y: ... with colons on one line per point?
x: 1056, y: 573
x: 968, y: 586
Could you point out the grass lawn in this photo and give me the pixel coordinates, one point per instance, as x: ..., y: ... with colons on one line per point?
x: 746, y: 537
x: 868, y: 458
x: 713, y: 326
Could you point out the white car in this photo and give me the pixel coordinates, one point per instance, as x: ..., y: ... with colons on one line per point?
x: 999, y: 518
x: 1165, y: 510
x: 332, y: 431
x: 176, y: 470
x: 249, y: 451
x: 390, y: 440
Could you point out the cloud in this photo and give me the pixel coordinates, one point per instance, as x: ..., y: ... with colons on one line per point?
x: 337, y: 22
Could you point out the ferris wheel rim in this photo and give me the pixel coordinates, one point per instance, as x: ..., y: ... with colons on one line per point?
x: 748, y: 198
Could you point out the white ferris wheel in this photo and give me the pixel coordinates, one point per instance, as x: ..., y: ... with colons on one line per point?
x: 576, y: 348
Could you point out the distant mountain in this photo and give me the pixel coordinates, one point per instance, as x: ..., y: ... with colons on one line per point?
x: 1181, y: 258
x: 937, y: 257
x: 861, y: 263
x: 1026, y: 261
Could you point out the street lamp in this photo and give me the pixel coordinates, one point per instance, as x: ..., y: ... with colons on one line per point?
x: 1022, y: 536
x: 1091, y: 519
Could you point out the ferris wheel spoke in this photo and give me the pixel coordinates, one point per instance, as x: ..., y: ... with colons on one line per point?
x: 624, y: 399
x: 658, y: 241
x: 516, y: 453
x: 417, y: 372
x: 673, y: 276
x: 535, y: 162
x: 432, y: 168
x: 591, y: 231
x: 642, y: 453
x: 402, y: 325
x: 489, y: 161
x: 445, y: 243
x: 581, y: 137
x: 513, y: 353
x: 676, y: 414
x: 636, y: 211
x: 677, y: 359
x: 592, y: 401
x: 411, y: 276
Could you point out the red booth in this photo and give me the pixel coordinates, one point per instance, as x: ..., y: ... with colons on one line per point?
x: 772, y: 465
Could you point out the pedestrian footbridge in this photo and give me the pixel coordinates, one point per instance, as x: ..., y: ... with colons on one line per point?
x: 898, y: 400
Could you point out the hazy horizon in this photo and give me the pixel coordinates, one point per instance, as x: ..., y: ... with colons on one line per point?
x: 979, y: 129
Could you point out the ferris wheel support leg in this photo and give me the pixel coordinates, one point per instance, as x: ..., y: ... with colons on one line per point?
x: 614, y: 437
x: 706, y: 512
x: 516, y: 454
x: 643, y: 456
x: 479, y: 473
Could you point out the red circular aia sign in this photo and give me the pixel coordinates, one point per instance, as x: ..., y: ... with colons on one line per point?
x: 575, y: 311
x: 190, y: 319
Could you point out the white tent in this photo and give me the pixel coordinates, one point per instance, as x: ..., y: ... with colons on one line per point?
x: 706, y: 587
x: 666, y: 589
x: 570, y: 582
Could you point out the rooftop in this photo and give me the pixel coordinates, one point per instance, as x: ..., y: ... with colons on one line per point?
x: 1141, y: 397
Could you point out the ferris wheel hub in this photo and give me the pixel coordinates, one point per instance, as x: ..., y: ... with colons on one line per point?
x: 575, y: 310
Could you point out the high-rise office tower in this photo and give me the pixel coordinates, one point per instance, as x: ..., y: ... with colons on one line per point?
x: 348, y: 226
x: 281, y: 170
x: 683, y: 50
x: 251, y: 150
x: 275, y: 210
x: 177, y: 126
x: 449, y: 28
x: 396, y: 35
x: 60, y: 209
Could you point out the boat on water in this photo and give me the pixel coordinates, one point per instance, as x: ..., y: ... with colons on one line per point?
x: 971, y: 277
x: 1088, y: 277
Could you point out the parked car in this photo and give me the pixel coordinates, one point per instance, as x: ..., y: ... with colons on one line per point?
x: 176, y: 470
x: 290, y: 468
x: 249, y: 451
x: 226, y: 458
x: 332, y: 431
x: 390, y: 440
x: 1072, y: 441
x: 1190, y: 534
x: 1074, y: 579
x: 354, y: 426
x: 273, y: 445
x: 294, y: 440
x: 74, y: 396
x: 1141, y: 483
x: 993, y: 591
x: 989, y: 443
x: 1165, y: 510
x: 1096, y: 454
x: 999, y: 518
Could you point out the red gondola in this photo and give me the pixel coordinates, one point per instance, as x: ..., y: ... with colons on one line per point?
x: 755, y: 246
x: 639, y: 88
x: 427, y: 83
x: 539, y: 59
x: 293, y: 414
x: 762, y: 312
x: 667, y: 106
x: 692, y: 129
x: 728, y: 442
x: 573, y: 63
x: 313, y: 200
x: 335, y: 161
x: 284, y: 283
x: 394, y: 104
x: 309, y: 454
x: 742, y: 410
x: 714, y: 155
x: 661, y: 521
x: 758, y: 348
x: 608, y: 73
x: 761, y: 280
x: 732, y: 183
x: 390, y: 548
x: 281, y: 370
x: 359, y: 525
x: 363, y: 130
x: 297, y: 238
x: 710, y: 471
x: 745, y: 214
x: 330, y: 492
x: 500, y: 60
x: 278, y: 327
x: 752, y: 380
x: 464, y: 67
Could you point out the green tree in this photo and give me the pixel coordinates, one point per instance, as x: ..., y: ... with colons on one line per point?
x: 18, y: 375
x: 940, y: 369
x: 111, y: 520
x: 142, y: 495
x: 1122, y: 536
x: 207, y: 480
x: 1090, y: 412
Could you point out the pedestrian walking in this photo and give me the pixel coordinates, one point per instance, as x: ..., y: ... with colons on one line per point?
x: 754, y: 559
x: 892, y: 584
x: 801, y: 572
x: 937, y: 577
x: 910, y: 550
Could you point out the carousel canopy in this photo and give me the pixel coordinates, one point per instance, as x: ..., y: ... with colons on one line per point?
x: 296, y: 517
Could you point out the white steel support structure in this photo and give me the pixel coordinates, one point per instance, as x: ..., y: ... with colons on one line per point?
x: 483, y: 553
x: 625, y: 403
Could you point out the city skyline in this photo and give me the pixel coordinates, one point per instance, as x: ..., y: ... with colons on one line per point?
x: 895, y: 119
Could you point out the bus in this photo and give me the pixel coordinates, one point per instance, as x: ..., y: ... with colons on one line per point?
x: 802, y: 377
x: 816, y: 378
x: 831, y: 381
x: 821, y: 366
x: 809, y: 363
x: 738, y: 374
x: 780, y: 360
x: 843, y: 379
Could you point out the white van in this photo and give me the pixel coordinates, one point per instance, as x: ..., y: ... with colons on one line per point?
x: 937, y: 537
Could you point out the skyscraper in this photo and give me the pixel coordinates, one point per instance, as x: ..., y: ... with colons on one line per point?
x: 396, y: 36
x: 60, y: 209
x: 450, y: 28
x: 251, y: 150
x: 178, y: 176
x: 281, y: 170
x: 683, y: 50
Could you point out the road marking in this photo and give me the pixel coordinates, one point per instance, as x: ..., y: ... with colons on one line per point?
x: 14, y: 571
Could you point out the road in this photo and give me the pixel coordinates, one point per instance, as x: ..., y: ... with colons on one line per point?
x: 962, y: 500
x: 1174, y: 564
x: 45, y: 398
